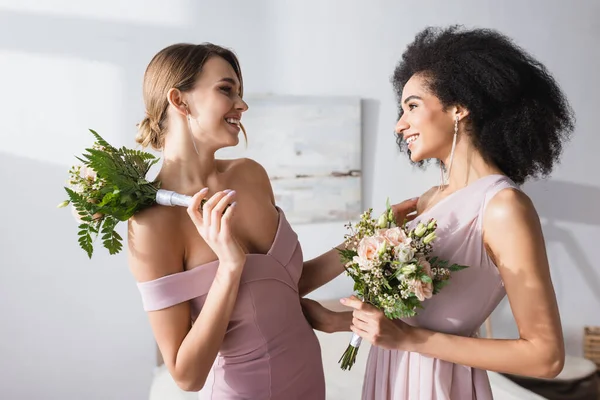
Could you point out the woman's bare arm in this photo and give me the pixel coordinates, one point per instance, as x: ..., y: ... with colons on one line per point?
x: 322, y: 269
x: 188, y: 351
x: 513, y: 236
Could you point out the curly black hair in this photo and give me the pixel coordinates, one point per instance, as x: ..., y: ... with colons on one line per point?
x: 518, y: 116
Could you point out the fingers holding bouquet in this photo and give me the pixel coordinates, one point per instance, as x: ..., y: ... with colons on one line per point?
x: 371, y: 324
x: 212, y: 218
x: 110, y: 186
x: 405, y: 211
x: 394, y: 271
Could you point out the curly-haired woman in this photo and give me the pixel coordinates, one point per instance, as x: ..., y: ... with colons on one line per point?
x: 493, y: 117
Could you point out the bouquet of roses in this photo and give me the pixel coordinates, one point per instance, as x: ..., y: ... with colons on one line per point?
x: 109, y: 187
x: 392, y: 268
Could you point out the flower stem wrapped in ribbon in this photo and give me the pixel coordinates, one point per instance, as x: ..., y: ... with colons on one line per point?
x: 109, y: 187
x: 392, y: 267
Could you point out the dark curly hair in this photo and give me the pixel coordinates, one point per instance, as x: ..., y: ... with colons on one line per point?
x: 518, y: 116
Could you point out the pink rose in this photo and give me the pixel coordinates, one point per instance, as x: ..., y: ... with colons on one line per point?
x: 368, y: 246
x: 426, y: 266
x: 368, y: 249
x: 394, y: 236
x: 421, y: 289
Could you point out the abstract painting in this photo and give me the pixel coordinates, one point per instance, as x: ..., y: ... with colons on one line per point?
x: 310, y: 147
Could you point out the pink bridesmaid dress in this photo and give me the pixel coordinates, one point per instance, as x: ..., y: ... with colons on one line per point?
x: 269, y: 351
x: 459, y: 309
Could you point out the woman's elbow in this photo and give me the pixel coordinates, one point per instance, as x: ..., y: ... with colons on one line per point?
x: 188, y: 385
x: 553, y: 368
x: 551, y: 364
x: 186, y: 381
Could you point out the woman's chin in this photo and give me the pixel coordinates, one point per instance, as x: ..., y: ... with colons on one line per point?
x: 231, y: 141
x: 416, y: 157
x: 419, y: 153
x: 235, y: 141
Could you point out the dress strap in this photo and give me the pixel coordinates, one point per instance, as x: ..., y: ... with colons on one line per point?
x: 174, y: 289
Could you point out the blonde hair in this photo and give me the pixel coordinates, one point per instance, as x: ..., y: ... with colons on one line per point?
x: 176, y: 66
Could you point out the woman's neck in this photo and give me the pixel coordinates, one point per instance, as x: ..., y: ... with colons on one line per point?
x: 468, y: 165
x: 185, y: 170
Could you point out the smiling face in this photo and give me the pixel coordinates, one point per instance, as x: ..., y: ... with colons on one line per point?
x: 215, y: 104
x: 192, y: 86
x: 425, y: 125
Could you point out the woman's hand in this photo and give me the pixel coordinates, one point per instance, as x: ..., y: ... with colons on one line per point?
x: 213, y: 223
x: 371, y: 324
x: 318, y: 317
x: 405, y: 211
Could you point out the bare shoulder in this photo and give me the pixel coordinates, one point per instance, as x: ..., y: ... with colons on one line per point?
x: 154, y: 243
x: 250, y: 173
x: 247, y: 167
x: 512, y: 231
x: 510, y: 206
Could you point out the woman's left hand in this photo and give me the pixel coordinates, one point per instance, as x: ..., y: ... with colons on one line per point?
x: 371, y: 324
x: 317, y: 316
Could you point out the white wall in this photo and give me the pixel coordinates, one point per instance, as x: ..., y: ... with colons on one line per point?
x: 72, y: 328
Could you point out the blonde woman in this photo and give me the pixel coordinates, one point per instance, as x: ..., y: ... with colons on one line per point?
x: 219, y: 283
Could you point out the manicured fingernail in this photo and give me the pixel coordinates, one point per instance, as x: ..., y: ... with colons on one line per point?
x: 233, y: 204
x: 227, y: 190
x: 343, y: 301
x: 203, y: 190
x: 231, y: 193
x: 414, y: 198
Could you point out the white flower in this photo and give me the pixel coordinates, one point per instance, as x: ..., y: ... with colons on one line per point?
x: 382, y: 221
x: 405, y: 252
x: 88, y: 173
x: 409, y: 269
x: 362, y: 263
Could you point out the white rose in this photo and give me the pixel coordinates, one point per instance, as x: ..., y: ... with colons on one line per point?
x: 405, y: 253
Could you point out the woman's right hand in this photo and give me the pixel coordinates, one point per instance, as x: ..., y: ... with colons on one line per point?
x: 405, y: 211
x: 213, y: 223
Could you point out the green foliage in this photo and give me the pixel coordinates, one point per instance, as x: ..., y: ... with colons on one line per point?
x: 118, y: 190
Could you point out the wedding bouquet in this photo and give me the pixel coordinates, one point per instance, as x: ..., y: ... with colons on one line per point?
x: 109, y: 187
x: 392, y: 268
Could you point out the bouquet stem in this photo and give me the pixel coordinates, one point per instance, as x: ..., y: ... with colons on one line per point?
x: 171, y: 198
x: 349, y: 357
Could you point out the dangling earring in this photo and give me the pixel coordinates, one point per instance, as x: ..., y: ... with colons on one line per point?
x: 446, y: 178
x: 189, y: 120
